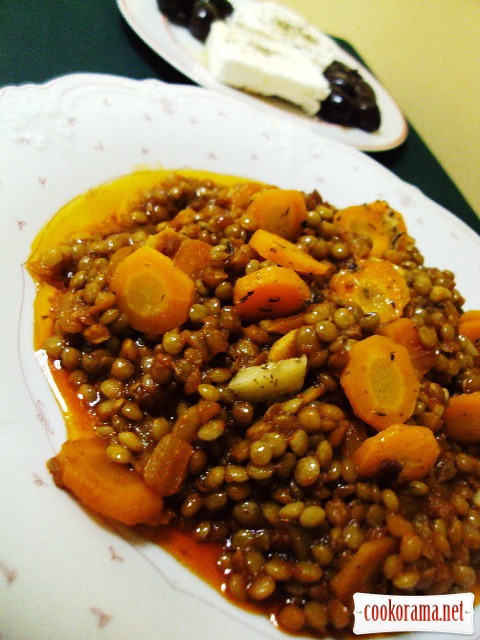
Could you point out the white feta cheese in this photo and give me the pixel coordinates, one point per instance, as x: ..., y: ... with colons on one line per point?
x: 246, y: 60
x: 276, y: 22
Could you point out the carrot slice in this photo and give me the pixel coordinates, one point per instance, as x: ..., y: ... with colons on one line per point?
x: 470, y: 330
x: 107, y: 488
x: 281, y: 211
x: 380, y: 382
x: 375, y: 285
x: 362, y: 567
x: 283, y: 325
x: 192, y: 257
x: 154, y: 295
x: 273, y: 247
x: 384, y: 226
x: 269, y: 292
x: 413, y: 447
x: 404, y: 331
x: 167, y: 466
x: 462, y: 418
x: 469, y: 325
x: 467, y: 316
x: 285, y: 347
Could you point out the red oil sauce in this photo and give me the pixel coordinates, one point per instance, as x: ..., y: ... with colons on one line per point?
x: 199, y: 557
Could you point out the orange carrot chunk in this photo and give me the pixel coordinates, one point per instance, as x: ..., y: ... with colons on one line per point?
x: 469, y: 325
x: 273, y: 247
x: 462, y: 418
x: 285, y: 347
x: 473, y: 314
x: 381, y: 224
x: 153, y: 294
x: 192, y: 257
x: 404, y: 331
x: 283, y: 325
x: 281, y: 211
x: 380, y: 382
x: 375, y: 285
x: 414, y: 448
x: 471, y: 330
x: 107, y: 488
x: 269, y: 292
x: 167, y: 467
x: 359, y: 570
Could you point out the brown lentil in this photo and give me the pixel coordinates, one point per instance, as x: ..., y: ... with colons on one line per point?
x: 292, y: 618
x: 393, y: 566
x: 260, y: 452
x: 307, y: 471
x: 410, y: 547
x: 406, y: 580
x: 211, y: 430
x: 261, y: 588
x: 312, y: 516
x: 119, y: 453
x: 87, y: 392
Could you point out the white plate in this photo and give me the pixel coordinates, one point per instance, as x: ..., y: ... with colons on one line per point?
x: 184, y: 52
x: 63, y: 575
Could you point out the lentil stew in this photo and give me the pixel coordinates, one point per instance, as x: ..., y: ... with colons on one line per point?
x: 295, y: 398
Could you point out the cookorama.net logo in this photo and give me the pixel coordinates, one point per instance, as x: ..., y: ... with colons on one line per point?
x: 444, y: 614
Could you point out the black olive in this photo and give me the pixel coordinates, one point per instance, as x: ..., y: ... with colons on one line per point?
x: 367, y: 115
x: 352, y: 101
x: 223, y: 7
x: 336, y: 69
x: 338, y: 108
x: 203, y: 14
x: 342, y: 82
x: 364, y: 90
x: 178, y: 11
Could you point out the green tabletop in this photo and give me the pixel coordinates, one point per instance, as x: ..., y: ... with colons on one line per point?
x: 43, y: 39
